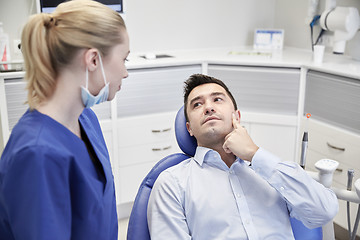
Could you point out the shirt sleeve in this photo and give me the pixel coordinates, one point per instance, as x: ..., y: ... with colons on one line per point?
x: 307, y: 200
x: 36, y: 195
x: 166, y: 218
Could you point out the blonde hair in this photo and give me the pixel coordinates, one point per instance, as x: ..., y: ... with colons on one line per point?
x: 49, y: 42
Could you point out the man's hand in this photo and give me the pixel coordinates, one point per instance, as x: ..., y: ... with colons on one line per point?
x: 239, y: 142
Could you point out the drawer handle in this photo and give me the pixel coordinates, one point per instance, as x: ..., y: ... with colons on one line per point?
x: 166, y: 148
x: 159, y: 131
x: 338, y: 170
x: 161, y: 149
x: 334, y: 147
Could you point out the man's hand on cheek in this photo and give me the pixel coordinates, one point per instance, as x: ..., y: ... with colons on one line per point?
x: 239, y: 142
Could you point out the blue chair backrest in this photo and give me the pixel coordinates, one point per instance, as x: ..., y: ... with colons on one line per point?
x: 138, y: 227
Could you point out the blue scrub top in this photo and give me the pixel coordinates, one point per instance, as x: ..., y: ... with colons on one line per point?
x: 50, y: 187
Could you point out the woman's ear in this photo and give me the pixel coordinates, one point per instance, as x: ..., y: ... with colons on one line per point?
x: 91, y: 58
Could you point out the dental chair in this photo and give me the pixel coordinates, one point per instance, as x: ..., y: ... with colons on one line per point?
x: 138, y: 227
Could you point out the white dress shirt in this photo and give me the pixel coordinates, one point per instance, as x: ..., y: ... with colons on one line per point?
x: 203, y: 199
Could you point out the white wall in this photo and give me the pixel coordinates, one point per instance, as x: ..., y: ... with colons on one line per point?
x: 160, y: 25
x: 171, y: 24
x: 188, y: 24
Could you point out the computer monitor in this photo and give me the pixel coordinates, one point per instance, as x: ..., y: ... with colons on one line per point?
x: 48, y: 6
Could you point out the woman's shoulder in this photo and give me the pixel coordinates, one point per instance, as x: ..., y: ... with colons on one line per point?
x: 37, y: 132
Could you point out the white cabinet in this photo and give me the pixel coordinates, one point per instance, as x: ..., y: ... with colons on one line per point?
x: 145, y: 112
x: 143, y: 141
x: 279, y: 139
x: 328, y: 141
x: 268, y: 99
x: 334, y: 128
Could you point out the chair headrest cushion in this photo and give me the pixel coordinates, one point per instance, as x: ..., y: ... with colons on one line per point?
x: 186, y: 142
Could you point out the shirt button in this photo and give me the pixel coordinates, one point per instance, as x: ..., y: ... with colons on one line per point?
x: 238, y: 195
x: 282, y: 188
x: 231, y: 171
x: 247, y: 222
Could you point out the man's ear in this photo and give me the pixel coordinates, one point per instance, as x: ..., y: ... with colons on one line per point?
x: 92, y: 58
x: 238, y: 115
x: 189, y: 128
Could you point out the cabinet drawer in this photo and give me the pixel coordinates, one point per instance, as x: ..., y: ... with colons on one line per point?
x: 137, y: 154
x: 340, y: 175
x: 334, y: 143
x: 130, y: 178
x: 278, y: 139
x: 146, y: 129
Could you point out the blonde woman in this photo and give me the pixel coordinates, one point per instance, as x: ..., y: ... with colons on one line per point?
x: 55, y: 173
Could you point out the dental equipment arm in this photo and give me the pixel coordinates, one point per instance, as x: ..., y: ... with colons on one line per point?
x: 344, y: 22
x: 326, y: 169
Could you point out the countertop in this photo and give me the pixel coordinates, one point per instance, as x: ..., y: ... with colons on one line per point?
x: 288, y: 57
x: 245, y: 56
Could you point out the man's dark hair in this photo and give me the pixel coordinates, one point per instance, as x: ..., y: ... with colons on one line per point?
x: 199, y: 79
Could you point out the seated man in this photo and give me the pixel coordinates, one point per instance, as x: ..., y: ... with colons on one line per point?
x: 217, y: 194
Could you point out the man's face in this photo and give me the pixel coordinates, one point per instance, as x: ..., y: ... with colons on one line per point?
x: 210, y: 111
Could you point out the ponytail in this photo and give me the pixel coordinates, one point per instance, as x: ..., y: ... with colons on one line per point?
x: 40, y: 73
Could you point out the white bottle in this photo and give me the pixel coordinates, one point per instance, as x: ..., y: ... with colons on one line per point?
x: 4, y: 49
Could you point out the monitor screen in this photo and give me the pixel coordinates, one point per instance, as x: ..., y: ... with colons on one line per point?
x: 48, y: 6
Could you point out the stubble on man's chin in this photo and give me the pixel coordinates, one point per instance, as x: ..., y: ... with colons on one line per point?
x: 214, y: 137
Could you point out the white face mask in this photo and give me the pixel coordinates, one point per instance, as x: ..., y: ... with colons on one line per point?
x: 90, y: 100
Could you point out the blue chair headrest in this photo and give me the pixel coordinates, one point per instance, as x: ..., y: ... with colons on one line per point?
x: 186, y: 142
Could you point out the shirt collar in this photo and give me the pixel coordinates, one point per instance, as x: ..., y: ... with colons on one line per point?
x: 211, y: 157
x: 200, y: 154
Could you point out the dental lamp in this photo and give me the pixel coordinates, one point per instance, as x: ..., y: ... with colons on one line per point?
x: 344, y: 22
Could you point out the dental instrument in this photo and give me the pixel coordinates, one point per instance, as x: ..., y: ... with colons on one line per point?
x: 304, y: 144
x: 350, y: 175
x: 356, y: 224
